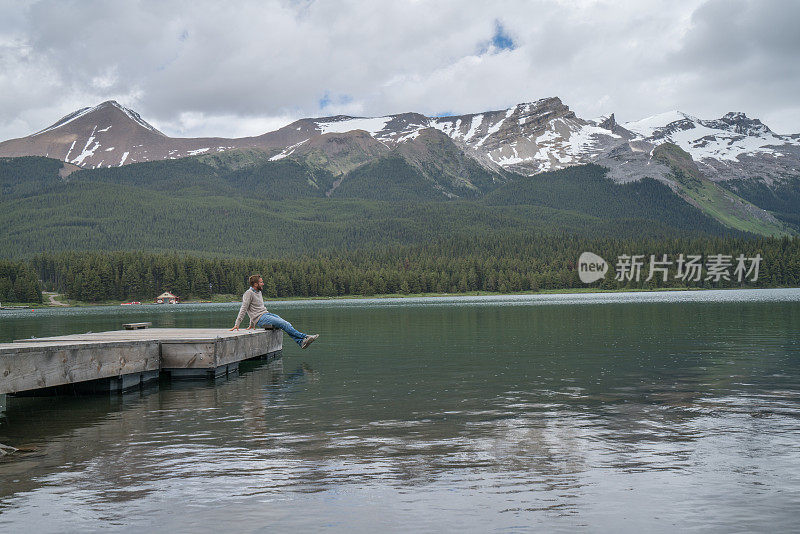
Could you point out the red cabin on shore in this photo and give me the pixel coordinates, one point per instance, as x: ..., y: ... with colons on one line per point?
x: 167, y: 298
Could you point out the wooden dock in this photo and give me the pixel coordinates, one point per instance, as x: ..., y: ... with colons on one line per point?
x: 122, y: 359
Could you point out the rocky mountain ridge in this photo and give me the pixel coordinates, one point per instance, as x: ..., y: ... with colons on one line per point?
x: 526, y: 139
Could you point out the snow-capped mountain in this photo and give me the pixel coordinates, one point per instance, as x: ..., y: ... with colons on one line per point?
x: 732, y: 147
x: 722, y: 139
x: 527, y: 139
x: 111, y: 135
x: 103, y: 135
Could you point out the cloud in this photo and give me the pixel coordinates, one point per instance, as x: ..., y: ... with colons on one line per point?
x: 744, y: 51
x: 205, y: 68
x: 199, y: 124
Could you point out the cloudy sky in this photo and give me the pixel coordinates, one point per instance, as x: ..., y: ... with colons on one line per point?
x: 245, y: 67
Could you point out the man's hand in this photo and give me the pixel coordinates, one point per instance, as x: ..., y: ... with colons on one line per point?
x: 234, y: 328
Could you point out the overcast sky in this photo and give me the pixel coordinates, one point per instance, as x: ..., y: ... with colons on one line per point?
x: 239, y: 68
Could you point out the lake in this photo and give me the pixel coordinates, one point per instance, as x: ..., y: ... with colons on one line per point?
x: 617, y: 412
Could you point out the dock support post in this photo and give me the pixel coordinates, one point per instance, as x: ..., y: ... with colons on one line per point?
x: 270, y: 356
x: 204, y: 372
x: 133, y: 380
x: 121, y: 383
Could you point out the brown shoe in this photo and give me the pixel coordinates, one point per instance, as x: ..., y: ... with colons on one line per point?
x: 308, y: 341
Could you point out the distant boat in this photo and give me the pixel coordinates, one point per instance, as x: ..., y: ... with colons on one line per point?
x: 129, y: 303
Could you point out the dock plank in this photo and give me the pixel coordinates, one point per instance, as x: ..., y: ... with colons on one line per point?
x: 38, y: 363
x: 29, y: 366
x: 188, y: 355
x: 164, y: 335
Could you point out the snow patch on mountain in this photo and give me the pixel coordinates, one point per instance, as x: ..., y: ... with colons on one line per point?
x: 648, y: 126
x: 408, y: 136
x: 87, y: 152
x: 586, y: 139
x: 370, y: 125
x: 475, y: 123
x: 288, y: 151
x: 66, y: 158
x: 494, y: 128
x: 724, y: 139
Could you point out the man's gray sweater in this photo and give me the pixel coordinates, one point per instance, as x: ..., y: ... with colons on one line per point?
x: 252, y: 305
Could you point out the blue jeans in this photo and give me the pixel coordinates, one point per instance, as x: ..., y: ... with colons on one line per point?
x: 278, y: 322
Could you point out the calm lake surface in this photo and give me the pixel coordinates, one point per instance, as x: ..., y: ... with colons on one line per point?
x: 615, y: 412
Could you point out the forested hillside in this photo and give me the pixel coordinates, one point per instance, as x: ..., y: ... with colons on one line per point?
x: 478, y: 263
x: 272, y: 209
x: 187, y: 225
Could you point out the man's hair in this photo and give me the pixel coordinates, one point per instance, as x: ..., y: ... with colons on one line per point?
x: 254, y: 279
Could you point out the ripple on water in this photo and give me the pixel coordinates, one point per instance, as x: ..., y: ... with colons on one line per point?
x: 475, y: 413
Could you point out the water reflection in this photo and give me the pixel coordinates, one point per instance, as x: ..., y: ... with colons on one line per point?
x: 657, y: 415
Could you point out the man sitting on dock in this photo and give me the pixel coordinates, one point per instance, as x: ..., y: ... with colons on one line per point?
x: 253, y: 306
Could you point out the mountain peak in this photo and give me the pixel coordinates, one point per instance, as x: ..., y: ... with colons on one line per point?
x: 740, y: 123
x: 647, y: 127
x: 608, y: 122
x: 101, y: 115
x: 527, y: 138
x: 547, y: 103
x: 548, y: 100
x: 735, y: 115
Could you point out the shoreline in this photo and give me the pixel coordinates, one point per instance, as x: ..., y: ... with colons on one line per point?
x: 578, y: 290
